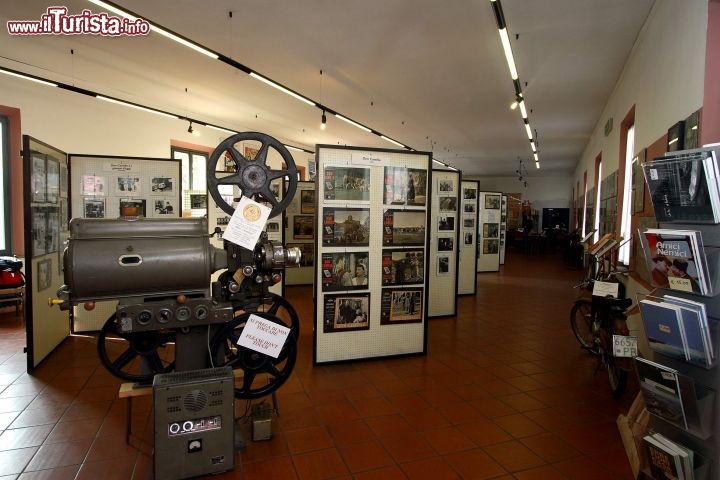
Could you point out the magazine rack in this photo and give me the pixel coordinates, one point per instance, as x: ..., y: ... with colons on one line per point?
x: 701, y: 464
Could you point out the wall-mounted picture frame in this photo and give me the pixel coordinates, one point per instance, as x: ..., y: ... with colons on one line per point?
x: 342, y: 313
x: 403, y: 227
x: 405, y: 186
x: 38, y: 178
x: 446, y: 223
x: 44, y: 274
x: 445, y: 244
x: 469, y: 222
x: 469, y: 193
x: 198, y: 201
x: 346, y: 226
x: 162, y: 184
x: 94, y: 207
x: 134, y: 207
x: 443, y: 265
x: 93, y: 185
x: 492, y: 202
x: 490, y: 247
x: 469, y: 238
x: 129, y: 185
x: 344, y: 271
x: 676, y: 137
x: 307, y: 202
x: 401, y: 305
x: 403, y: 267
x: 350, y: 184
x: 446, y: 185
x: 303, y: 227
x: 53, y: 180
x: 448, y: 204
x: 469, y: 208
x: 39, y: 232
x: 490, y: 230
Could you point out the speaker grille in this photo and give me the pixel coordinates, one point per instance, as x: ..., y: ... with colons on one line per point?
x: 195, y: 400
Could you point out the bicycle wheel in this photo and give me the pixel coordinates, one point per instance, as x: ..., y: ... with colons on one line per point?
x: 617, y: 376
x: 581, y: 323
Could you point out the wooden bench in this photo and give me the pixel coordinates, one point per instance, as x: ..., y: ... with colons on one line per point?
x: 12, y: 297
x: 131, y: 390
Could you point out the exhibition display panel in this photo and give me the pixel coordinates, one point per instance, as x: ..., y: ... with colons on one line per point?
x: 300, y: 233
x: 467, y: 278
x: 371, y: 264
x: 488, y: 231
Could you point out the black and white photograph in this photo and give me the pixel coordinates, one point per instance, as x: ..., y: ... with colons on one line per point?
x: 446, y: 185
x: 446, y: 223
x: 490, y: 230
x: 93, y: 185
x: 446, y: 244
x: 38, y: 179
x: 405, y: 186
x: 128, y: 185
x: 448, y: 204
x: 44, y: 274
x: 469, y: 222
x: 346, y: 312
x: 53, y: 180
x: 307, y: 201
x: 344, y: 271
x: 52, y: 237
x: 275, y: 188
x: 490, y: 246
x: 39, y: 231
x: 303, y: 227
x: 346, y: 226
x: 403, y: 227
x: 132, y: 207
x: 469, y: 208
x: 63, y: 180
x: 162, y: 184
x: 94, y: 207
x: 347, y: 183
x: 469, y: 193
x: 403, y: 267
x: 198, y: 201
x: 164, y: 207
x: 469, y: 238
x: 307, y: 253
x: 492, y: 202
x: 443, y: 265
x: 401, y: 305
x: 272, y: 227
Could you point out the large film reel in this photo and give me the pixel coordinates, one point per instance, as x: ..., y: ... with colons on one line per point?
x: 252, y: 175
x: 262, y: 374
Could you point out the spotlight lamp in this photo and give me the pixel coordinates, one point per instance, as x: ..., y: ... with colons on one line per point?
x: 190, y: 129
x: 323, y: 121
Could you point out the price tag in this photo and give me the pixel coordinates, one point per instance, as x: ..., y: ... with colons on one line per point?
x: 624, y: 346
x: 682, y: 284
x: 603, y: 289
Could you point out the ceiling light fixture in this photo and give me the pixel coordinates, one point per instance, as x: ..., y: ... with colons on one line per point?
x: 281, y: 88
x: 352, y: 122
x: 133, y: 105
x: 28, y: 77
x: 192, y: 130
x: 392, y: 141
x: 323, y: 121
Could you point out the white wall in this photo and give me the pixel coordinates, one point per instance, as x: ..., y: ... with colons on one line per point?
x: 663, y: 77
x: 81, y: 124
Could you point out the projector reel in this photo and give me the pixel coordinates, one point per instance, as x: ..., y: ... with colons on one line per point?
x: 251, y: 175
x: 262, y: 374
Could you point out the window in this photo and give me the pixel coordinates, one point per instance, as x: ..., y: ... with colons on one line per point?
x: 596, y: 220
x: 584, y: 206
x: 193, y: 170
x: 5, y: 186
x: 626, y: 216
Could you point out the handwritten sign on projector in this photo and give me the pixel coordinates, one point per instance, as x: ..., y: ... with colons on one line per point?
x: 263, y: 336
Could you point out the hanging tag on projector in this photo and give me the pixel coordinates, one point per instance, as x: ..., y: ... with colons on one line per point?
x: 247, y: 223
x: 263, y: 336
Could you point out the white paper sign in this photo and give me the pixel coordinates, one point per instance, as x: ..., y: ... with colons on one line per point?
x: 247, y: 223
x: 624, y: 346
x: 603, y: 289
x: 263, y: 336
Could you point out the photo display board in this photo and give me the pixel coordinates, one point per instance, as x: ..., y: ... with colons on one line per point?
x: 503, y: 228
x: 113, y: 187
x: 488, y: 231
x: 467, y: 278
x: 300, y: 233
x: 446, y: 214
x: 371, y: 265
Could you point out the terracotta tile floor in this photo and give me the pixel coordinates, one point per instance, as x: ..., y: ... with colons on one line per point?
x: 503, y: 393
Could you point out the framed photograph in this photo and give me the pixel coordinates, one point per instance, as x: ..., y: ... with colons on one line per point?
x: 44, y: 274
x: 93, y: 185
x: 492, y: 202
x: 446, y: 244
x: 469, y: 193
x: 63, y: 180
x: 38, y: 178
x: 469, y: 208
x: 469, y: 238
x: 250, y: 153
x: 162, y: 184
x: 403, y: 267
x: 164, y: 207
x: 343, y: 313
x: 469, y: 222
x: 405, y: 186
x: 490, y: 246
x: 198, y: 201
x: 39, y: 231
x: 347, y: 183
x: 443, y: 265
x: 404, y: 227
x: 134, y: 207
x: 94, y: 207
x: 401, y: 305
x: 446, y: 185
x: 446, y: 223
x: 303, y: 227
x: 307, y: 201
x: 53, y: 180
x: 344, y: 271
x: 448, y: 204
x: 52, y: 237
x: 307, y: 253
x: 128, y: 185
x: 346, y: 226
x: 490, y: 230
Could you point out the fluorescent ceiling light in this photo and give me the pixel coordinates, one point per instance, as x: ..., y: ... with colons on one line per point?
x: 392, y: 141
x: 537, y: 165
x: 673, y: 140
x: 138, y: 107
x: 182, y: 41
x: 281, y: 88
x: 438, y: 162
x: 529, y: 131
x: 536, y: 157
x: 113, y: 9
x: 353, y: 123
x: 508, y: 53
x: 451, y: 168
x: 532, y: 145
x: 225, y: 130
x: 523, y: 112
x: 294, y: 148
x: 26, y: 77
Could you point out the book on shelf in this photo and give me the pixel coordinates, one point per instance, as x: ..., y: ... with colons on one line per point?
x: 697, y: 330
x: 664, y: 327
x: 676, y: 259
x: 660, y: 387
x: 683, y: 186
x: 668, y: 460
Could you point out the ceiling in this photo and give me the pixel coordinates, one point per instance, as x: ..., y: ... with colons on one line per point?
x: 430, y: 74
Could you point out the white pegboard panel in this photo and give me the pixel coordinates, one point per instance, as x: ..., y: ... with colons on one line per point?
x: 467, y: 277
x: 444, y: 245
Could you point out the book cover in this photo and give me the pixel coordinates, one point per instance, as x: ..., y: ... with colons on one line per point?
x: 664, y: 328
x: 672, y: 258
x: 702, y: 308
x: 687, y: 456
x: 661, y: 391
x: 678, y: 187
x: 664, y: 462
x: 697, y: 334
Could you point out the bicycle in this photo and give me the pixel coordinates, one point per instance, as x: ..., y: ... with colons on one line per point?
x: 594, y: 321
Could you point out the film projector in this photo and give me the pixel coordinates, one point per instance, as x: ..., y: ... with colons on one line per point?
x: 176, y: 328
